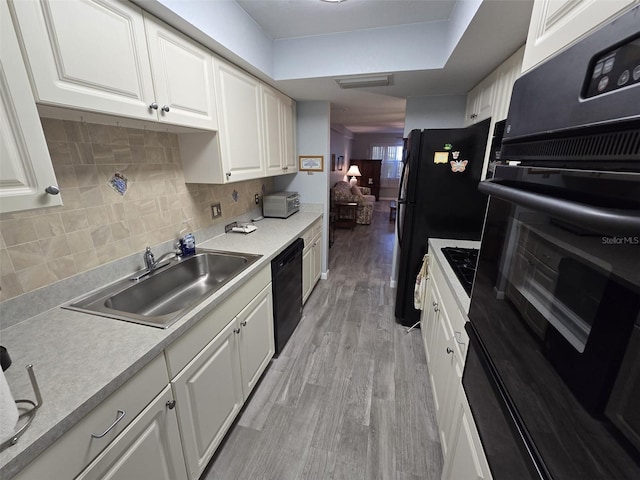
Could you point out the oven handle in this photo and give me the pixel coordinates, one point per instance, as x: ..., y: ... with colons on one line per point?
x: 607, y: 219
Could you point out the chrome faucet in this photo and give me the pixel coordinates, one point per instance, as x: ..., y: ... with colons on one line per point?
x: 150, y: 261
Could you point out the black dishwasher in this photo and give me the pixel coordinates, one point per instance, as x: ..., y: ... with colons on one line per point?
x: 286, y: 274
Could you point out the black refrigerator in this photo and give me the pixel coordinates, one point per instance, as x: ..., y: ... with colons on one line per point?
x: 438, y: 198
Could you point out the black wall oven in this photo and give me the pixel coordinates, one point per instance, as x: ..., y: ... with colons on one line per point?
x: 553, y: 369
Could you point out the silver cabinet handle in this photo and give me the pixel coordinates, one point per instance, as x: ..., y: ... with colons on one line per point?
x: 228, y: 174
x: 52, y: 190
x: 449, y: 350
x: 434, y: 304
x: 243, y: 323
x: 236, y: 330
x: 153, y: 106
x: 165, y: 108
x: 121, y: 414
x: 170, y: 404
x: 436, y: 309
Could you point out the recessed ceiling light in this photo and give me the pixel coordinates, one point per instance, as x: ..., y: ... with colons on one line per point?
x: 365, y: 81
x: 333, y: 1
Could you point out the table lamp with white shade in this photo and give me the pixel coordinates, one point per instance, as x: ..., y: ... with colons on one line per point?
x: 353, y: 172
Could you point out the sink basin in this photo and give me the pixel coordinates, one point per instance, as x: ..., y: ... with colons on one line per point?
x: 162, y: 297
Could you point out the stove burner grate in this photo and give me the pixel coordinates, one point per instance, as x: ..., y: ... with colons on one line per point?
x: 463, y: 262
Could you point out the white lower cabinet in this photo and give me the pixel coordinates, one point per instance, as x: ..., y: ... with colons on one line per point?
x: 211, y: 389
x: 257, y: 341
x: 445, y: 342
x: 208, y: 394
x: 466, y: 459
x: 148, y: 448
x: 311, y: 259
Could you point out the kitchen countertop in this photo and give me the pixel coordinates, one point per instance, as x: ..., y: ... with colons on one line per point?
x: 80, y: 359
x: 435, y: 252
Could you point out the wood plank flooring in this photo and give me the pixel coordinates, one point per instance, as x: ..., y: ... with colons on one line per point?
x: 349, y: 397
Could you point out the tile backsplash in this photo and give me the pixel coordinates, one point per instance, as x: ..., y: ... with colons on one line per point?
x: 97, y: 224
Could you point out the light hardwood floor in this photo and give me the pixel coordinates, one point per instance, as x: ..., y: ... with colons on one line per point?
x: 349, y: 397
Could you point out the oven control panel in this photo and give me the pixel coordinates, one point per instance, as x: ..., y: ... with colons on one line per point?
x: 615, y: 69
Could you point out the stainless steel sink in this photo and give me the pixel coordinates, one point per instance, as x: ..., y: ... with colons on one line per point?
x: 162, y: 297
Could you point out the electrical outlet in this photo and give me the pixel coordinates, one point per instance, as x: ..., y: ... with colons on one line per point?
x: 216, y: 210
x: 257, y: 197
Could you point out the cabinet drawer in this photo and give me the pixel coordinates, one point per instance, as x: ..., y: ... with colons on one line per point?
x: 148, y: 448
x: 77, y: 448
x: 180, y: 353
x: 317, y: 227
x: 310, y: 233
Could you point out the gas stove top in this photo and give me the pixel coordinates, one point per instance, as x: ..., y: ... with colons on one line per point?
x: 463, y: 262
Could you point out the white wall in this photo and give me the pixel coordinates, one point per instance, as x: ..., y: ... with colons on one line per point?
x: 313, y: 121
x: 441, y: 111
x: 363, y: 141
x: 341, y: 144
x: 222, y: 26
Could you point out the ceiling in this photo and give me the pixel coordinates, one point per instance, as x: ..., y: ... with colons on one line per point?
x: 289, y: 19
x: 497, y: 30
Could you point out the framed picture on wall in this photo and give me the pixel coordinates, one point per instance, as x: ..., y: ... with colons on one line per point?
x: 340, y: 162
x: 311, y: 163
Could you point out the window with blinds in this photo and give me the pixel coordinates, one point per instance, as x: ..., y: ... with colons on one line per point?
x: 391, y: 168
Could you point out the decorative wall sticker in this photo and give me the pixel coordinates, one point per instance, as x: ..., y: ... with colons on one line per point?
x: 119, y: 183
x: 234, y: 195
x: 455, y: 155
x: 448, y: 146
x: 458, y: 166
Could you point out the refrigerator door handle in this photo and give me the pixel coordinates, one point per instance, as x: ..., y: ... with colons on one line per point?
x: 399, y: 217
x: 401, y: 201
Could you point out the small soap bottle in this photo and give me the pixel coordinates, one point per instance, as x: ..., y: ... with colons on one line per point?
x: 187, y: 243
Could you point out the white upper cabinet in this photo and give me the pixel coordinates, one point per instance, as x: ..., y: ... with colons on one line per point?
x: 278, y: 117
x: 480, y: 101
x: 25, y: 164
x: 558, y: 23
x: 104, y: 56
x: 182, y: 77
x: 506, y: 76
x: 239, y: 116
x: 73, y: 64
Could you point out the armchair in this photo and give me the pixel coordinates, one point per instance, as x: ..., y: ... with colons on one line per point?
x: 342, y: 192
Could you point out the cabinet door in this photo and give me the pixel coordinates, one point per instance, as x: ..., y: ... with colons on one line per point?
x: 426, y: 316
x: 148, y: 448
x: 182, y: 76
x: 442, y: 373
x: 466, y: 459
x: 25, y: 164
x: 74, y: 63
x: 273, y: 135
x: 240, y: 125
x: 257, y: 342
x: 433, y: 307
x: 557, y: 23
x: 317, y: 260
x: 288, y: 108
x: 208, y: 393
x: 307, y: 271
x: 507, y: 74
